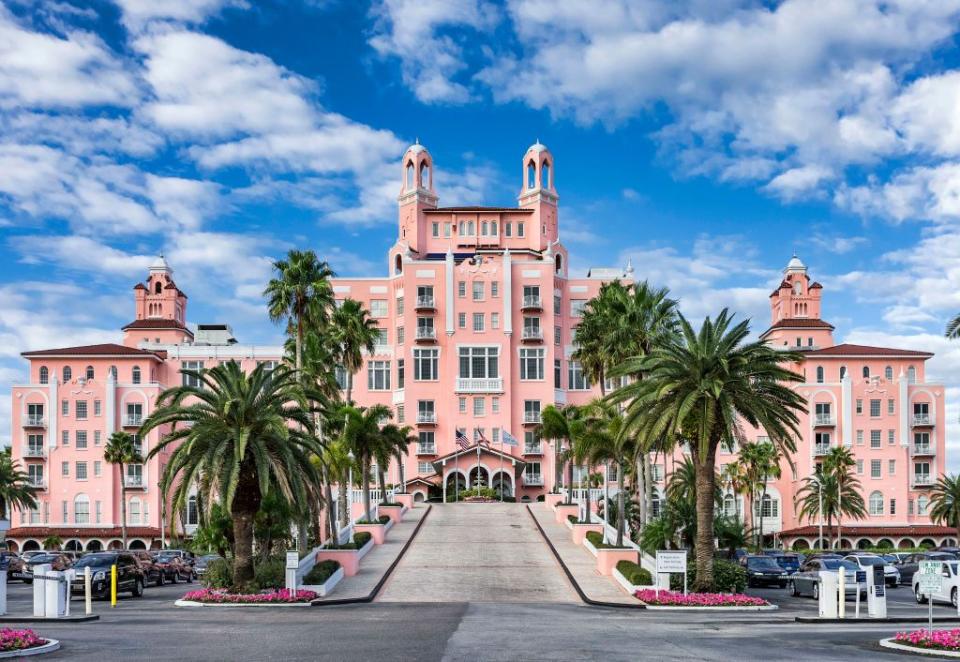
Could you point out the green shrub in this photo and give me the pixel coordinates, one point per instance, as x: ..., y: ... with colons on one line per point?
x: 362, y: 538
x: 391, y: 505
x: 321, y: 572
x: 596, y: 539
x: 541, y: 498
x: 383, y: 519
x: 728, y: 577
x: 634, y: 574
x: 270, y: 573
x: 219, y: 574
x: 573, y: 519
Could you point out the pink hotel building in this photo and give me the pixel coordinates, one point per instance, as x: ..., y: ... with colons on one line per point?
x: 477, y: 317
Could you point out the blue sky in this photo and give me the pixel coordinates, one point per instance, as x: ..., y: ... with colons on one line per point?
x: 706, y: 140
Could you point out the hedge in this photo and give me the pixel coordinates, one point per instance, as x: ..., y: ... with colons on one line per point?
x: 634, y: 574
x: 383, y: 519
x: 596, y: 539
x: 321, y: 572
x: 360, y: 539
x: 728, y: 577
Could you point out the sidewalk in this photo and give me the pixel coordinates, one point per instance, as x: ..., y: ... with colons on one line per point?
x: 582, y: 564
x: 376, y: 563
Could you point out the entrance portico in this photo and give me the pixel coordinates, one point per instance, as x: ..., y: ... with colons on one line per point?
x: 479, y: 464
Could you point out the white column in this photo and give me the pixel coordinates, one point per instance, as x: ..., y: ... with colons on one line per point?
x: 53, y: 416
x: 507, y: 292
x: 450, y: 295
x: 846, y: 407
x: 904, y: 393
x: 110, y: 406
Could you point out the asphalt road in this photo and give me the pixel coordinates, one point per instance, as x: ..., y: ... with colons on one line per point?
x: 151, y: 628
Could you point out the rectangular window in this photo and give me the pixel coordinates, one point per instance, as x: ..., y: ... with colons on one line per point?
x: 531, y: 411
x: 531, y: 364
x: 893, y: 506
x: 378, y: 308
x: 81, y: 470
x: 495, y: 405
x: 859, y: 406
x: 576, y: 307
x: 557, y: 303
x: 81, y: 438
x: 400, y: 335
x: 479, y: 406
x: 576, y: 379
x: 190, y: 380
x: 81, y: 410
x: 520, y: 229
x: 496, y: 436
x: 875, y: 439
x: 891, y: 408
x: 399, y: 305
x: 97, y: 409
x: 892, y: 467
x: 99, y: 511
x: 860, y: 467
x: 875, y: 468
x: 508, y: 229
x: 65, y: 469
x: 478, y: 322
x: 65, y: 407
x: 425, y: 468
x: 462, y: 289
x: 462, y: 404
x: 65, y: 438
x: 97, y: 467
x: 462, y: 320
x: 890, y: 437
x: 425, y: 364
x: 494, y: 321
x: 859, y: 437
x: 556, y: 335
x: 134, y: 413
x: 426, y: 442
x: 478, y: 290
x: 557, y: 374
x: 874, y: 408
x: 378, y: 375
x: 494, y: 289
x: 381, y: 341
x: 96, y: 437
x: 446, y: 229
x: 63, y: 513
x: 401, y: 377
x: 435, y: 229
x: 401, y: 415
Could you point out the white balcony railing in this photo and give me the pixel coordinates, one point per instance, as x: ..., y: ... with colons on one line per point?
x: 425, y: 302
x: 35, y: 421
x: 821, y: 449
x: 531, y: 417
x: 532, y: 479
x: 426, y: 449
x: 533, y: 450
x: 922, y: 480
x: 33, y: 451
x: 133, y: 481
x: 824, y: 419
x: 37, y: 482
x: 132, y: 420
x: 426, y: 417
x: 532, y: 333
x: 426, y: 333
x: 922, y: 419
x: 532, y: 301
x: 479, y: 385
x: 923, y: 449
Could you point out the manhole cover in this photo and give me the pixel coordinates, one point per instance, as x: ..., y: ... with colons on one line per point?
x: 514, y: 526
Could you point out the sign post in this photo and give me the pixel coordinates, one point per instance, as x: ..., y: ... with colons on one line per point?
x: 930, y: 582
x: 293, y: 562
x: 670, y: 562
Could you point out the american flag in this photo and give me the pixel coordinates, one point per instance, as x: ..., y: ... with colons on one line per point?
x: 481, y: 438
x: 462, y: 440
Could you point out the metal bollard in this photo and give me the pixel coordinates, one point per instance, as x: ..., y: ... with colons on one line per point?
x: 113, y: 586
x: 88, y: 589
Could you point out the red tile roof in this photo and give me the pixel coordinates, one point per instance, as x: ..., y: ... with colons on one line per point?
x: 816, y: 286
x: 82, y: 532
x: 846, y: 349
x: 157, y: 324
x: 479, y: 209
x: 106, y: 349
x: 914, y: 530
x: 798, y: 323
x: 139, y: 286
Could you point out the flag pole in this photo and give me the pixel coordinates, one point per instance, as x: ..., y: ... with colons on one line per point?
x: 501, y: 466
x: 456, y: 490
x: 478, y: 468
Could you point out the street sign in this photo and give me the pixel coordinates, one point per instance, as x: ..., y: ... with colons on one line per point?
x: 293, y: 560
x: 929, y: 578
x: 861, y: 576
x: 671, y: 561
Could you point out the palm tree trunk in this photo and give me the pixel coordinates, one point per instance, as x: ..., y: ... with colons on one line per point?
x: 705, y: 479
x: 557, y: 467
x: 762, y: 499
x: 403, y: 480
x: 365, y: 479
x: 642, y: 488
x: 243, y: 546
x: 382, y: 482
x: 648, y: 490
x: 123, y: 506
x: 621, y: 505
x: 349, y: 386
x: 328, y: 493
x: 570, y: 477
x: 342, y: 504
x: 586, y: 514
x: 298, y: 359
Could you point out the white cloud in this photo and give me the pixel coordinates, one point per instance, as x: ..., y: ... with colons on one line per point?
x: 916, y: 193
x: 75, y: 252
x: 798, y: 182
x: 137, y: 13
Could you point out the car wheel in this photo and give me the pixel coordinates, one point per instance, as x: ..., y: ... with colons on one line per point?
x: 176, y: 578
x: 137, y: 591
x: 793, y: 588
x: 27, y: 581
x: 953, y: 598
x: 816, y: 591
x: 921, y: 598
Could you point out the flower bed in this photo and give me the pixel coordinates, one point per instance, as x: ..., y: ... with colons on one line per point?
x: 941, y: 640
x: 18, y: 640
x: 221, y: 597
x: 671, y: 599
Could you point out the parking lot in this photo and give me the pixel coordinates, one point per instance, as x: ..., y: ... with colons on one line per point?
x: 900, y: 604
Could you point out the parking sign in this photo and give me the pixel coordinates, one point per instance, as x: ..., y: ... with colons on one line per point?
x: 929, y: 578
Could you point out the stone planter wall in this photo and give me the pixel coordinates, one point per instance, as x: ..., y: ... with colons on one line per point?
x: 607, y: 559
x: 579, y: 531
x: 405, y: 499
x: 394, y: 512
x: 563, y: 511
x: 552, y: 499
x: 377, y: 531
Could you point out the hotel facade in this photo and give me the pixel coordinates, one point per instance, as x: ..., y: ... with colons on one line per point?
x: 477, y: 315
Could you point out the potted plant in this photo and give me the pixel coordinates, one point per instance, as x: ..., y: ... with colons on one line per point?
x: 377, y: 530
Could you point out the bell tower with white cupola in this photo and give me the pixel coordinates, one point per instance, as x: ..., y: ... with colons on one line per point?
x: 538, y: 193
x: 416, y: 195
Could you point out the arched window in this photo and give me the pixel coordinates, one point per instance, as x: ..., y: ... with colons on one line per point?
x: 558, y: 264
x: 545, y: 175
x: 729, y: 506
x: 866, y: 372
x: 88, y: 373
x: 493, y: 228
x: 409, y: 176
x: 888, y: 373
x: 425, y: 175
x: 922, y: 503
x: 876, y: 503
x: 819, y: 374
x: 192, y: 516
x: 484, y: 227
x: 136, y: 374
x: 531, y: 175
x: 133, y: 511
x: 158, y: 288
x: 912, y: 375
x: 81, y: 509
x: 797, y: 288
x: 398, y: 264
x: 843, y: 372
x: 44, y: 375
x: 113, y: 372
x: 67, y: 374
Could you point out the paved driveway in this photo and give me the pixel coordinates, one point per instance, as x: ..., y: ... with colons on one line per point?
x: 476, y: 552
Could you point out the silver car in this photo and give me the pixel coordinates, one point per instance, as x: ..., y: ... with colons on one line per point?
x: 891, y: 576
x: 806, y: 581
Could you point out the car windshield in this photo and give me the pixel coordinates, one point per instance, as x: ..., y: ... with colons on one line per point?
x: 96, y: 561
x: 43, y: 558
x: 836, y: 564
x: 871, y: 560
x: 166, y: 557
x: 763, y: 562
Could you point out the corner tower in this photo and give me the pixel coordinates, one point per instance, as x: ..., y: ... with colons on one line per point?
x: 538, y: 193
x: 795, y: 312
x: 416, y: 194
x: 160, y: 308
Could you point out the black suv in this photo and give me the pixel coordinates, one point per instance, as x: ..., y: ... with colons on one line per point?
x: 129, y: 574
x: 764, y: 571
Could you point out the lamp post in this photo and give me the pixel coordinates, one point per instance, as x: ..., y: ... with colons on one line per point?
x: 820, y: 505
x: 351, y: 457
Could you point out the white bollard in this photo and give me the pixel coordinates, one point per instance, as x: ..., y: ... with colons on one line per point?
x: 39, y: 590
x: 70, y: 575
x: 52, y: 590
x: 3, y: 592
x: 88, y: 590
x: 841, y: 593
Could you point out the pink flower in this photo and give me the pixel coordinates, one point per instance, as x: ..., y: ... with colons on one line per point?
x: 15, y: 640
x: 939, y: 639
x: 669, y: 598
x: 219, y: 596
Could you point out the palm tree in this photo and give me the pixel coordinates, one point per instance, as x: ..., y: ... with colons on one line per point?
x: 353, y: 330
x: 734, y: 477
x: 760, y: 461
x: 840, y: 462
x: 558, y: 423
x: 822, y: 495
x: 399, y: 440
x: 52, y: 543
x: 953, y: 328
x: 945, y: 502
x: 121, y: 451
x: 15, y: 488
x: 701, y: 386
x: 363, y: 436
x: 299, y: 294
x: 239, y: 436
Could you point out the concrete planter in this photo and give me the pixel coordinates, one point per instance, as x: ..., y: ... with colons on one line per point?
x: 631, y: 589
x: 394, y: 511
x: 349, y: 559
x: 916, y: 650
x: 563, y: 511
x: 405, y: 499
x: 552, y: 499
x: 608, y: 558
x: 49, y: 647
x: 580, y: 531
x: 326, y: 588
x: 378, y: 532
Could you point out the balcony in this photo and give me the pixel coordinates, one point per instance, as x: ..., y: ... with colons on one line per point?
x: 532, y: 479
x: 531, y: 334
x: 134, y: 481
x: 919, y: 450
x: 426, y: 334
x: 426, y: 449
x: 824, y: 420
x: 531, y: 302
x: 921, y: 420
x: 821, y: 449
x: 533, y: 450
x: 37, y: 482
x: 132, y: 420
x: 922, y: 480
x: 426, y: 418
x: 35, y: 421
x: 531, y: 418
x: 479, y: 385
x: 426, y: 302
x: 34, y: 452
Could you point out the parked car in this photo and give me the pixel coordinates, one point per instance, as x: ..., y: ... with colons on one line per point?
x: 173, y: 567
x: 807, y: 580
x: 58, y: 560
x: 187, y: 557
x: 891, y: 576
x: 152, y: 574
x: 899, y: 556
x: 763, y: 571
x: 202, y: 562
x: 948, y: 586
x: 129, y: 574
x: 911, y: 564
x: 788, y: 561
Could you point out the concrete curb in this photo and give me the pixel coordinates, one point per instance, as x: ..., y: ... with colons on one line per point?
x: 34, y: 619
x: 714, y: 609
x: 893, y: 645
x: 383, y: 580
x: 192, y: 603
x: 573, y: 582
x: 889, y: 619
x: 49, y: 647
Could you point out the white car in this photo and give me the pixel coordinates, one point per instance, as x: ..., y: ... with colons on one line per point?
x: 891, y: 576
x: 949, y: 585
